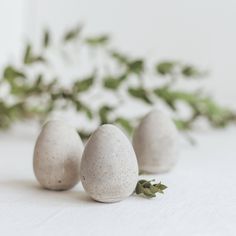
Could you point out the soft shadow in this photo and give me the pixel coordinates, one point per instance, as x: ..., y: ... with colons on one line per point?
x: 31, y: 191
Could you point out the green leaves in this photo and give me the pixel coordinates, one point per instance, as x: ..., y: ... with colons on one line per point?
x: 122, y: 74
x: 149, y: 190
x: 97, y: 41
x: 167, y: 96
x: 136, y: 66
x: 46, y: 39
x: 140, y: 93
x: 113, y: 83
x: 16, y: 80
x: 182, y: 124
x: 119, y: 57
x: 10, y: 73
x: 171, y: 97
x: 132, y: 66
x: 72, y: 34
x: 104, y: 113
x: 83, y: 85
x: 201, y: 106
x: 217, y: 115
x: 30, y: 58
x: 11, y: 113
x: 174, y: 68
x: 83, y: 134
x: 166, y: 67
x: 27, y: 55
x: 190, y: 71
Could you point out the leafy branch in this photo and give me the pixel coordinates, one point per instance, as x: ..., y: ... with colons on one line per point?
x: 33, y: 88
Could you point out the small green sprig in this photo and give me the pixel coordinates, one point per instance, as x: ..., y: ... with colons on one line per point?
x: 149, y: 190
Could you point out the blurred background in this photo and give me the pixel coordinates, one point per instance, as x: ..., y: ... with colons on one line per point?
x: 201, y: 32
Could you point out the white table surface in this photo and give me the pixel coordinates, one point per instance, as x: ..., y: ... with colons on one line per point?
x: 200, y: 200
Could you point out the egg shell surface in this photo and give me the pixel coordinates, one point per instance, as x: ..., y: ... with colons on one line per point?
x: 109, y: 169
x: 57, y: 156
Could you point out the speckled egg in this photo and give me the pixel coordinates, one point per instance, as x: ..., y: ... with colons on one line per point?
x: 155, y: 142
x: 109, y: 169
x: 57, y: 156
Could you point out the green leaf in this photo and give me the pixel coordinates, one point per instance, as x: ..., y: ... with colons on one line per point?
x: 27, y: 54
x: 147, y: 184
x: 148, y: 193
x: 83, y: 85
x: 79, y: 105
x: 37, y: 59
x: 97, y: 41
x: 181, y: 124
x: 139, y: 188
x: 113, y: 83
x: 29, y: 58
x: 140, y: 93
x: 15, y: 78
x: 126, y: 124
x: 142, y: 181
x: 46, y: 39
x: 217, y: 115
x: 148, y: 189
x: 84, y: 135
x: 170, y: 97
x: 165, y: 67
x: 200, y: 105
x: 159, y: 187
x: 10, y: 73
x: 133, y: 66
x: 119, y: 57
x: 72, y: 34
x: 103, y: 114
x: 190, y: 71
x: 136, y: 66
x: 166, y: 96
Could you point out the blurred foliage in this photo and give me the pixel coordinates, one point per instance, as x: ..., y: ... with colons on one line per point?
x: 35, y: 96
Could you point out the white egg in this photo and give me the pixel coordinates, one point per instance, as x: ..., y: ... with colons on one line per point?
x: 109, y: 168
x: 57, y: 155
x: 155, y: 143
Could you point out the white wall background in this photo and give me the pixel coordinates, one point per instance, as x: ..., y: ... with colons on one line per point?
x: 202, y: 32
x: 12, y: 25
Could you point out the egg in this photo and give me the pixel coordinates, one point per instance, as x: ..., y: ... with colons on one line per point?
x: 155, y: 142
x: 109, y: 168
x: 57, y: 156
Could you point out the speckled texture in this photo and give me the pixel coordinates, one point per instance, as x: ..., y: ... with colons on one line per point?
x: 109, y: 169
x: 155, y: 143
x: 57, y: 156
